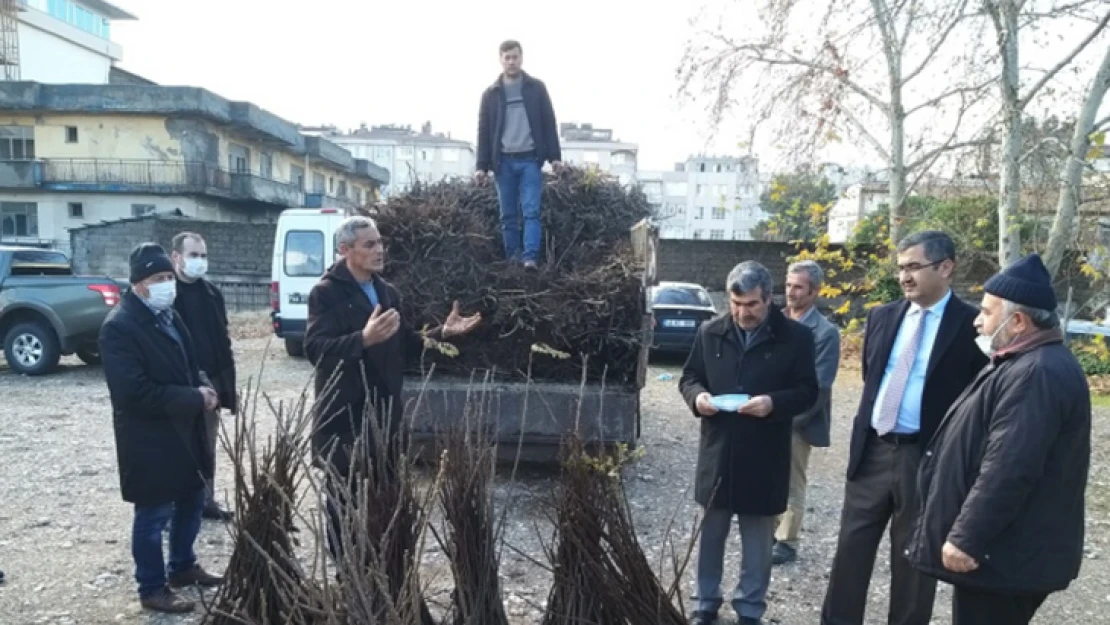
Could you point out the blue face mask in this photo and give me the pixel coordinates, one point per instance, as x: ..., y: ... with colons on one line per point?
x: 162, y: 294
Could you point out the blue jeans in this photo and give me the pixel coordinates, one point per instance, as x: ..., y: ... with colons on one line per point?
x: 519, y: 186
x: 183, y: 518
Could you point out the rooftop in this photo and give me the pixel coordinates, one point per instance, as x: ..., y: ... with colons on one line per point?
x: 390, y: 132
x: 139, y: 99
x: 109, y: 10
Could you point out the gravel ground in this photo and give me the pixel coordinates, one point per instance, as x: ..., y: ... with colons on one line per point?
x: 64, y: 532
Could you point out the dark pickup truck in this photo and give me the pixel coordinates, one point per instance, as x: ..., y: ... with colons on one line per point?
x: 47, y: 312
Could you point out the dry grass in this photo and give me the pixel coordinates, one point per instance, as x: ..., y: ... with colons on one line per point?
x: 253, y: 324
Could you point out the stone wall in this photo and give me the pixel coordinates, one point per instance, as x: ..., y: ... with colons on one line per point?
x: 240, y: 254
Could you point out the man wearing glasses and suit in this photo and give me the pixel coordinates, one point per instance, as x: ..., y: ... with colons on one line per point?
x: 919, y: 354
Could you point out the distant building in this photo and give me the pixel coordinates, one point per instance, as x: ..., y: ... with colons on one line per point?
x: 407, y: 155
x: 706, y: 197
x: 857, y: 202
x: 583, y: 145
x: 148, y: 149
x: 65, y: 41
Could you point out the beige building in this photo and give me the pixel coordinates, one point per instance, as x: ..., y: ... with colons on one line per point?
x: 71, y: 155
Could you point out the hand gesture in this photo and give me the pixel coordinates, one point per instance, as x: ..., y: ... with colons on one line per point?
x: 956, y: 560
x: 760, y: 407
x: 456, y: 324
x: 704, y: 406
x: 211, y: 399
x: 381, y: 326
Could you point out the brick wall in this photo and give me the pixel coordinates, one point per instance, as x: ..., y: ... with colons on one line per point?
x: 708, y: 262
x: 240, y: 254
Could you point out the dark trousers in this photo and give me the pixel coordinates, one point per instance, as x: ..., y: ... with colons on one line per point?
x: 976, y: 607
x: 212, y: 426
x: 883, y: 491
x: 183, y: 518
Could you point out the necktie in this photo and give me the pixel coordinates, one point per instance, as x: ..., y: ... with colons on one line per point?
x: 888, y: 411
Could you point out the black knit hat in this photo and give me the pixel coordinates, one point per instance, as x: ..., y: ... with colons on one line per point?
x: 148, y: 259
x: 1025, y: 282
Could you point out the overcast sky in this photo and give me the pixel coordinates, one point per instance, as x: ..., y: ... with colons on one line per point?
x: 609, y: 62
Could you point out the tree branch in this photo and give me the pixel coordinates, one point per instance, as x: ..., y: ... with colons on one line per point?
x: 862, y: 129
x: 948, y: 94
x: 948, y: 146
x: 937, y: 45
x: 1050, y: 74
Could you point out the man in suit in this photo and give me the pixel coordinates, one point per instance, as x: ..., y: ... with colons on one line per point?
x: 918, y: 356
x: 811, y: 428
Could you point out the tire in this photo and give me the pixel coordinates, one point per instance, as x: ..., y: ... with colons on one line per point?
x: 90, y: 355
x: 294, y: 348
x: 32, y: 348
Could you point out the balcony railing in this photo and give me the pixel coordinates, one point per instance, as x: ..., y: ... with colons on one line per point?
x: 110, y: 174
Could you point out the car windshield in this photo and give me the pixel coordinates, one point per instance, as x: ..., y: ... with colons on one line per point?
x: 681, y: 296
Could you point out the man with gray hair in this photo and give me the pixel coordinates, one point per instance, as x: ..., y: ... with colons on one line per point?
x: 1003, y: 479
x: 749, y: 374
x: 811, y: 428
x: 356, y: 332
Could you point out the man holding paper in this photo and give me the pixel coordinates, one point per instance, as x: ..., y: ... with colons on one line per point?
x: 750, y: 372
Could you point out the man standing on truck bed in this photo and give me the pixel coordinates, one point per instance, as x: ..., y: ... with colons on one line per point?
x: 201, y: 306
x: 159, y: 397
x: 517, y: 133
x: 357, y: 340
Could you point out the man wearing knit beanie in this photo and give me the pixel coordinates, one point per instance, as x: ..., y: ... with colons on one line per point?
x: 159, y: 396
x: 1004, y: 477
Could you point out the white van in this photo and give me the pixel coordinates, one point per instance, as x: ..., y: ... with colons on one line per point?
x: 304, y: 248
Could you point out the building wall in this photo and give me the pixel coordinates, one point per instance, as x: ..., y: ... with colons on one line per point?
x: 46, y: 57
x: 425, y: 162
x: 695, y: 204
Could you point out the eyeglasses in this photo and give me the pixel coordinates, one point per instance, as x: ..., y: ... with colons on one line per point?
x: 916, y: 267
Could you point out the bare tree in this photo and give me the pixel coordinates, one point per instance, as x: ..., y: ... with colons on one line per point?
x: 810, y: 89
x: 1012, y: 19
x: 1071, y: 179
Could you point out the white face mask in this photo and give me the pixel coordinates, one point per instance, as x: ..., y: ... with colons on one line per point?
x: 162, y: 294
x: 985, y: 342
x: 196, y: 268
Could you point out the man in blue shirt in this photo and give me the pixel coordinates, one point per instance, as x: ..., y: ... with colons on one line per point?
x: 919, y: 354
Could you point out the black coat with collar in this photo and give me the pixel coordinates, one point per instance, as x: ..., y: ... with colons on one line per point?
x: 953, y: 363
x: 744, y: 461
x: 157, y: 407
x: 541, y: 119
x: 208, y: 317
x: 338, y: 310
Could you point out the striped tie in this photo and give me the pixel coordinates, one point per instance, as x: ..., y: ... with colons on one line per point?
x: 888, y: 411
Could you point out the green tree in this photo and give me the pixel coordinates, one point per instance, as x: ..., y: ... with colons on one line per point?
x: 797, y: 206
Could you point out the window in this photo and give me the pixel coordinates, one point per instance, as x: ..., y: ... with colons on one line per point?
x: 76, y: 210
x: 239, y: 159
x: 404, y: 153
x: 681, y: 296
x: 424, y: 155
x: 697, y: 235
x: 382, y: 155
x: 449, y: 155
x: 719, y: 212
x: 304, y: 253
x: 619, y: 158
x: 358, y: 196
x: 19, y: 219
x: 343, y: 189
x: 331, y: 185
x: 266, y: 165
x: 71, y: 134
x: 718, y: 168
x: 141, y: 210
x: 701, y: 167
x: 716, y: 235
x: 17, y: 143
x: 699, y: 189
x: 296, y: 176
x: 699, y: 213
x: 318, y: 183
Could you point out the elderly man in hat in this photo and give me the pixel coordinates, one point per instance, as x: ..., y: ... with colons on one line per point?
x: 159, y: 397
x: 1003, y: 479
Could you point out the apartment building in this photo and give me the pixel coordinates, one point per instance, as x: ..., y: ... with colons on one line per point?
x: 706, y: 197
x: 63, y: 41
x: 586, y: 146
x: 409, y: 156
x: 71, y: 155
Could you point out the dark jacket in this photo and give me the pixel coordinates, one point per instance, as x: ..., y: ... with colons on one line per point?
x: 157, y: 406
x: 201, y: 306
x: 541, y: 118
x: 338, y: 310
x: 744, y: 461
x: 1004, y: 477
x: 814, y: 424
x: 953, y: 364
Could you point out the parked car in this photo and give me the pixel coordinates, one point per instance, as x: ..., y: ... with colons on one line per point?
x: 679, y: 309
x: 47, y: 312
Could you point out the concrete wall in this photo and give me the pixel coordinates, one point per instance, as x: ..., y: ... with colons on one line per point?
x: 240, y: 254
x: 41, y: 51
x: 708, y: 262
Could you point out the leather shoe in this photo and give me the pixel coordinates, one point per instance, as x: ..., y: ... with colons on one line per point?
x: 213, y: 512
x: 747, y: 620
x: 783, y: 553
x: 166, y: 600
x: 195, y: 576
x: 1, y: 577
x: 703, y: 618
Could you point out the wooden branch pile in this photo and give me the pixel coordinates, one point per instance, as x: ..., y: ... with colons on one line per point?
x: 444, y: 243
